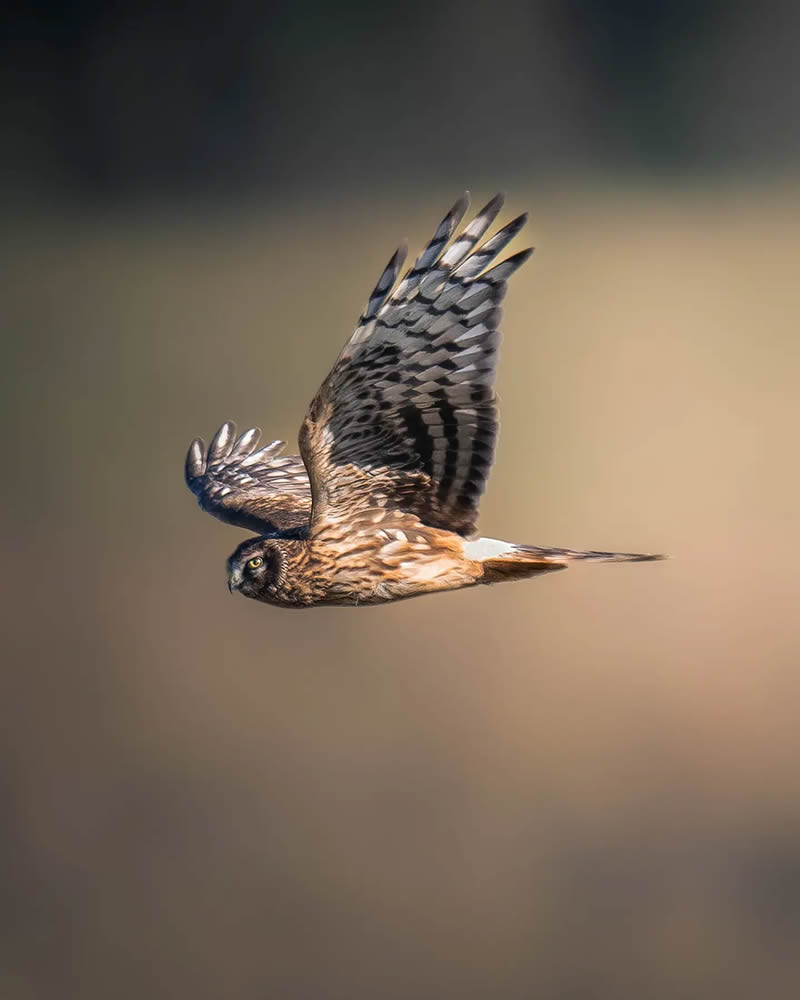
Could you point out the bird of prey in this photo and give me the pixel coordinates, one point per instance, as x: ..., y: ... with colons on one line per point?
x: 395, y: 449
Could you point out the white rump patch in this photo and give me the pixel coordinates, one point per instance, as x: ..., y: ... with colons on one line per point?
x: 487, y: 548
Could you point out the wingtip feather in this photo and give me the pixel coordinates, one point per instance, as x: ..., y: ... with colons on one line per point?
x: 494, y: 205
x: 195, y: 459
x: 222, y: 441
x: 456, y: 213
x: 265, y: 454
x: 245, y: 443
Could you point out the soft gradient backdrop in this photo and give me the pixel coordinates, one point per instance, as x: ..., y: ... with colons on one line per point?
x: 584, y: 786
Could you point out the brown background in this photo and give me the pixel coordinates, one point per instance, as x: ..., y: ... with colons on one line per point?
x: 583, y: 786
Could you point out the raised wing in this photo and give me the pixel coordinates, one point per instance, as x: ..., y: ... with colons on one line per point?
x: 407, y: 418
x: 254, y: 489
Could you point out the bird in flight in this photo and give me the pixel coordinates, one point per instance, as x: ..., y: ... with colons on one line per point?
x: 395, y: 449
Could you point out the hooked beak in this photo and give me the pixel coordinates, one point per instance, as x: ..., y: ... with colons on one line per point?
x: 235, y: 580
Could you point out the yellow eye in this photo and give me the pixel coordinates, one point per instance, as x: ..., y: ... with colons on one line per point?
x: 255, y: 562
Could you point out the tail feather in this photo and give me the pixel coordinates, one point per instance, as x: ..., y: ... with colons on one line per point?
x: 571, y: 555
x: 507, y: 561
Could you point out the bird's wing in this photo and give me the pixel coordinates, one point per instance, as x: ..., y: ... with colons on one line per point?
x: 407, y: 417
x: 255, y: 489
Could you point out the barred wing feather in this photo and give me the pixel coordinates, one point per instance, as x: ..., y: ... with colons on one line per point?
x: 407, y: 418
x: 254, y: 488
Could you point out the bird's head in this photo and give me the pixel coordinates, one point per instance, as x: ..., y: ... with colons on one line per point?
x: 255, y: 569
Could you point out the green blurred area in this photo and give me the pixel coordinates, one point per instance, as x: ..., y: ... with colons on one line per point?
x: 580, y: 786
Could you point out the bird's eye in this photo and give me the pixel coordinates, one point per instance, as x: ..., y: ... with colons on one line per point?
x: 255, y: 562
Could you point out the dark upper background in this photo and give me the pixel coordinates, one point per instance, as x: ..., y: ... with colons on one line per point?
x: 114, y: 101
x: 584, y: 786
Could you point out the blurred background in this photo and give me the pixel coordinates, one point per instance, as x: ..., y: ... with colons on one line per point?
x: 576, y: 787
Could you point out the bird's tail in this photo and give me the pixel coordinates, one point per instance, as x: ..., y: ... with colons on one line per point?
x: 508, y: 561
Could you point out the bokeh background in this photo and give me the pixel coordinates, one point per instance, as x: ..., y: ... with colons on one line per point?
x: 584, y: 786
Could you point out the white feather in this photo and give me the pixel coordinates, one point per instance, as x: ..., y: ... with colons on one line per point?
x: 487, y: 548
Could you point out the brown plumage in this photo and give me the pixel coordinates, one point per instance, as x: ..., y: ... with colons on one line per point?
x: 395, y: 450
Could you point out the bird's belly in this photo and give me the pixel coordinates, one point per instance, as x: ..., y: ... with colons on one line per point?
x: 379, y: 577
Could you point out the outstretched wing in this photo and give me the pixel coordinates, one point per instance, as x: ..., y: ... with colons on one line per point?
x: 258, y: 490
x: 407, y: 418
